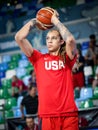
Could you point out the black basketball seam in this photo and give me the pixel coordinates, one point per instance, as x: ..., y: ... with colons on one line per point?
x: 48, y: 25
x: 43, y: 16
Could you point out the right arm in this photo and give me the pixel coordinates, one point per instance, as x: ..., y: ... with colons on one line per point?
x: 21, y: 39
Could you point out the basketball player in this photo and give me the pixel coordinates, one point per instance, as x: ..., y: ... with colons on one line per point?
x: 54, y: 75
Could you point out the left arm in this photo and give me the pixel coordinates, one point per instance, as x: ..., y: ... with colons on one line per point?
x: 66, y: 35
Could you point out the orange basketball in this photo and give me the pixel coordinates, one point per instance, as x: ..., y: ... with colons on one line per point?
x: 44, y: 16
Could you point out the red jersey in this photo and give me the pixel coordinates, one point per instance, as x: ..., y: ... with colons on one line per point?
x: 55, y: 86
x: 18, y: 84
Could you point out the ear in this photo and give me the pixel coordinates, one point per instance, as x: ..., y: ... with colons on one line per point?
x: 62, y: 41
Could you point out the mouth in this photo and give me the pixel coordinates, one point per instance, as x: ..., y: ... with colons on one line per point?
x: 49, y: 46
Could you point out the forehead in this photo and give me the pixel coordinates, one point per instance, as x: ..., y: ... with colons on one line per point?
x: 53, y: 33
x: 29, y: 120
x: 33, y: 88
x: 14, y: 77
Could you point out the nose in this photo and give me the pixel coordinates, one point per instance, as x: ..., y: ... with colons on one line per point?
x: 49, y: 40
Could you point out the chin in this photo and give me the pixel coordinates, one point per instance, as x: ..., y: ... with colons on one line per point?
x: 51, y: 50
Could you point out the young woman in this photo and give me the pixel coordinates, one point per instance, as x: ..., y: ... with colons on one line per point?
x: 54, y: 75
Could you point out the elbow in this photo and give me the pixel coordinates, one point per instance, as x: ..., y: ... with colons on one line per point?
x: 71, y: 39
x: 18, y: 37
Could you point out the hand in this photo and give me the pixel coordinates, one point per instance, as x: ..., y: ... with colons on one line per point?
x: 74, y: 70
x: 55, y: 12
x: 33, y: 21
x: 55, y: 17
x: 40, y: 25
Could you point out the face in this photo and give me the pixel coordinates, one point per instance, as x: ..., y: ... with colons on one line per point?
x: 53, y: 41
x: 33, y: 91
x: 33, y: 76
x: 30, y: 122
x: 14, y: 78
x: 91, y: 44
x: 92, y: 40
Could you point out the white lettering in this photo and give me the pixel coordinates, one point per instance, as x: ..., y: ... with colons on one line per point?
x: 47, y: 65
x: 61, y: 64
x: 54, y: 65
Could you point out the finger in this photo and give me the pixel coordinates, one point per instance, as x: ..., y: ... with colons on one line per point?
x: 37, y: 21
x: 34, y: 19
x: 41, y: 25
x: 49, y: 8
x: 53, y: 10
x: 56, y: 13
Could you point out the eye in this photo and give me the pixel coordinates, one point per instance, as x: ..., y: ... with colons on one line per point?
x: 47, y: 38
x: 54, y: 37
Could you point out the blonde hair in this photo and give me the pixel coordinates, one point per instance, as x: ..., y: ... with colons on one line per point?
x: 62, y: 51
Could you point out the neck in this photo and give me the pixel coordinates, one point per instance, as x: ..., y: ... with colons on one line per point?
x: 31, y: 128
x: 55, y: 53
x: 32, y: 95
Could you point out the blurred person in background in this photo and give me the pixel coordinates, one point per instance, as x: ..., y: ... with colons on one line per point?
x: 95, y: 43
x: 91, y: 55
x: 10, y: 26
x: 30, y: 124
x: 32, y: 79
x: 30, y: 101
x: 95, y: 80
x: 18, y: 87
x: 78, y: 71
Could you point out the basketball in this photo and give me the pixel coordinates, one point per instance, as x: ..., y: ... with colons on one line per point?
x: 44, y: 17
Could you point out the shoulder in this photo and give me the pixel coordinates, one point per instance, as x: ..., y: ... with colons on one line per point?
x: 35, y: 97
x: 35, y: 56
x: 36, y: 53
x: 26, y: 97
x: 20, y: 81
x: 13, y: 83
